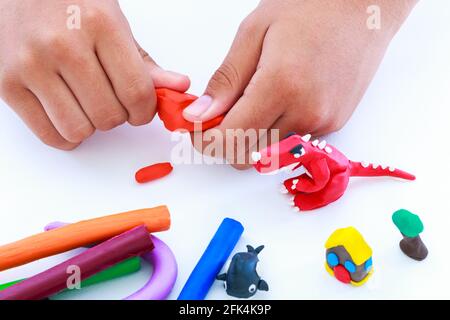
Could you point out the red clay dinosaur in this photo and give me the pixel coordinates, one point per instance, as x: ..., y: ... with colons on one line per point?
x: 328, y: 171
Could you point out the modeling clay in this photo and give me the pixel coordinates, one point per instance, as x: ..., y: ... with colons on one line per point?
x: 242, y: 279
x: 348, y: 256
x: 411, y: 227
x: 327, y: 170
x: 212, y: 260
x: 164, y: 272
x: 121, y: 269
x: 81, y: 234
x: 153, y: 172
x: 170, y: 110
x: 86, y: 264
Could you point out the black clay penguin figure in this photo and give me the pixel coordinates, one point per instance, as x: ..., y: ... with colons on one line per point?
x: 241, y: 279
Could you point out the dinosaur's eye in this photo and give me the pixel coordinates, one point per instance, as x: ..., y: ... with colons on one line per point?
x: 298, y: 151
x: 252, y: 288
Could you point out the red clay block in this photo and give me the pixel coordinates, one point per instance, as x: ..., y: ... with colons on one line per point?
x: 153, y: 172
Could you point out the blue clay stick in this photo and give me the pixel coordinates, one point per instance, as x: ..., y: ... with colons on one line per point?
x: 212, y: 260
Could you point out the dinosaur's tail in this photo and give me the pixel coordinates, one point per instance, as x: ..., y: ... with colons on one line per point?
x: 363, y: 169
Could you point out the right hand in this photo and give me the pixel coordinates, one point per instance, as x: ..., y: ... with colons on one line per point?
x: 66, y: 83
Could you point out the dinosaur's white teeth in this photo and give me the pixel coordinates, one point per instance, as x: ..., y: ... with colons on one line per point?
x: 391, y: 169
x: 364, y: 164
x: 292, y: 203
x: 315, y: 143
x: 283, y: 189
x: 322, y: 145
x: 256, y: 156
x: 296, y: 209
x: 290, y: 167
x: 306, y: 138
x: 384, y: 167
x: 328, y: 150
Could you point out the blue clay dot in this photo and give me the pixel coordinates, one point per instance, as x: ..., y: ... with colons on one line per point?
x: 368, y: 264
x: 332, y: 259
x: 350, y: 266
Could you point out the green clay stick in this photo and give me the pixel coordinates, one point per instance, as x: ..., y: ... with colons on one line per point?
x: 121, y: 269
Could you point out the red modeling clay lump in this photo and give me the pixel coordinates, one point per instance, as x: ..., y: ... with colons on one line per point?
x: 153, y: 172
x: 170, y: 110
x: 328, y: 171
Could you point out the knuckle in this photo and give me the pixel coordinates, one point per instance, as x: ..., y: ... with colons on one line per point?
x: 226, y: 76
x: 98, y: 18
x: 58, y: 44
x: 333, y: 125
x: 139, y: 92
x: 321, y: 117
x: 27, y: 60
x: 111, y: 122
x: 8, y: 83
x: 249, y: 25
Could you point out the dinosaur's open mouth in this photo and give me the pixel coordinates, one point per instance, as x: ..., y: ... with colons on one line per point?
x: 271, y: 170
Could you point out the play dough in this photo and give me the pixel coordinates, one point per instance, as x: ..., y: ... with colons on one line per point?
x: 411, y: 227
x: 81, y: 234
x: 348, y: 256
x: 241, y: 279
x: 170, y: 110
x: 153, y: 172
x: 84, y: 265
x: 328, y: 170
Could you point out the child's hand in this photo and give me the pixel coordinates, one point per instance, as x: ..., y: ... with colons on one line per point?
x: 299, y: 65
x: 64, y: 81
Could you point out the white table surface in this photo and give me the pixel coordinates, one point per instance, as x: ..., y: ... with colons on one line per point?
x: 402, y: 121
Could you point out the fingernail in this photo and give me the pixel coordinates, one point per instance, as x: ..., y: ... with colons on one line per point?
x: 197, y: 108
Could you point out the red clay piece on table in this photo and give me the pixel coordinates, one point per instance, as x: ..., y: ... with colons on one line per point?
x: 153, y: 172
x: 170, y: 110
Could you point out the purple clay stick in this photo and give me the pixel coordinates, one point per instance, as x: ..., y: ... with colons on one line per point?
x: 108, y: 253
x: 164, y: 274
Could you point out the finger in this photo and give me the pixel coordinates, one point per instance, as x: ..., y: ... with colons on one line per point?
x: 127, y: 72
x: 247, y: 122
x: 29, y: 109
x: 90, y: 85
x: 62, y: 108
x: 230, y: 80
x: 303, y: 126
x: 163, y: 78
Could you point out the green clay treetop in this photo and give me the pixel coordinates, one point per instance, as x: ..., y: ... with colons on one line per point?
x: 408, y: 223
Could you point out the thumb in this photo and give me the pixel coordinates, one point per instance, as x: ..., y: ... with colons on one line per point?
x: 230, y: 80
x: 163, y: 78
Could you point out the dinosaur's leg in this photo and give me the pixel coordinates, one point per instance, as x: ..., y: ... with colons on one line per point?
x: 320, y: 176
x: 291, y: 184
x: 332, y: 192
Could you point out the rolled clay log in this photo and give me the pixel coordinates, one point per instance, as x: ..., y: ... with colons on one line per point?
x: 81, y: 234
x: 92, y: 261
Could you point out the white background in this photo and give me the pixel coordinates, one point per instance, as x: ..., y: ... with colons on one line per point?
x: 402, y: 121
